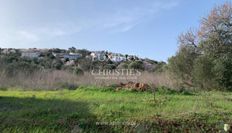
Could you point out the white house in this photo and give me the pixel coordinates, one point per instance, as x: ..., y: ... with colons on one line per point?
x: 70, y: 56
x: 30, y: 54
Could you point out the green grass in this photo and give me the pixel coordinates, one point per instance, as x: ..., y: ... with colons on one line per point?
x: 101, y: 110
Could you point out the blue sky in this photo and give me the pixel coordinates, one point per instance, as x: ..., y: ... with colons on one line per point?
x: 146, y: 28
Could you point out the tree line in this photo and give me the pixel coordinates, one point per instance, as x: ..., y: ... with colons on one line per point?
x: 204, y: 57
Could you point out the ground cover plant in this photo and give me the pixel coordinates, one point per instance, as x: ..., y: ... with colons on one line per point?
x: 92, y: 109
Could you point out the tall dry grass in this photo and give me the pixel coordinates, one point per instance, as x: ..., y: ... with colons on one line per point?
x: 59, y: 79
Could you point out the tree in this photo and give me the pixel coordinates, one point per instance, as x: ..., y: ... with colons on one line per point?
x: 83, y: 52
x: 216, y: 42
x: 223, y: 71
x: 205, y: 59
x: 159, y: 67
x: 57, y: 64
x: 181, y: 65
x: 126, y: 56
x: 203, y: 74
x: 215, y: 31
x: 72, y: 49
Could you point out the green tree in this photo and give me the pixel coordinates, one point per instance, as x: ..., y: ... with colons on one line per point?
x: 203, y: 74
x: 216, y: 42
x: 181, y: 65
x: 223, y: 71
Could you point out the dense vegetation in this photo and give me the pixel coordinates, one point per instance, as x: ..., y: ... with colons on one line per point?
x: 204, y: 58
x: 13, y: 62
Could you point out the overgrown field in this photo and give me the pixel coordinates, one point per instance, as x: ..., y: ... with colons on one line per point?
x: 94, y: 109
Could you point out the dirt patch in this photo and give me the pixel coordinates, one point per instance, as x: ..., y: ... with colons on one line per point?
x: 132, y: 86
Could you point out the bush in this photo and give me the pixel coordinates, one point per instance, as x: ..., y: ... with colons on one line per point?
x: 69, y: 86
x: 223, y: 71
x: 78, y: 71
x: 3, y: 88
x: 123, y: 65
x: 136, y: 65
x: 85, y: 64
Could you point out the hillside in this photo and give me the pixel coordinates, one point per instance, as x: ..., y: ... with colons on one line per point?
x: 72, y: 58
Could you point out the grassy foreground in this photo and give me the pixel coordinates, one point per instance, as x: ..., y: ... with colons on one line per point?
x: 101, y: 110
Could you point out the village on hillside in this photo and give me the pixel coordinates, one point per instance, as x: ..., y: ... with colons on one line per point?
x: 77, y: 57
x: 69, y: 54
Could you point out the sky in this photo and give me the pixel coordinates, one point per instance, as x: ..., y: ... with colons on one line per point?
x: 146, y: 28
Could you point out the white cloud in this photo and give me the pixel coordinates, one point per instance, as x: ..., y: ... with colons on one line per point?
x: 126, y: 19
x: 118, y: 19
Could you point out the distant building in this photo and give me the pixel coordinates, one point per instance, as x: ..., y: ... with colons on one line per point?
x: 70, y: 56
x: 98, y: 55
x: 30, y: 54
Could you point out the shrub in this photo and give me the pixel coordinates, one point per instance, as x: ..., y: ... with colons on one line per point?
x: 69, y: 86
x: 78, y: 71
x: 123, y: 65
x: 136, y: 65
x: 223, y: 71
